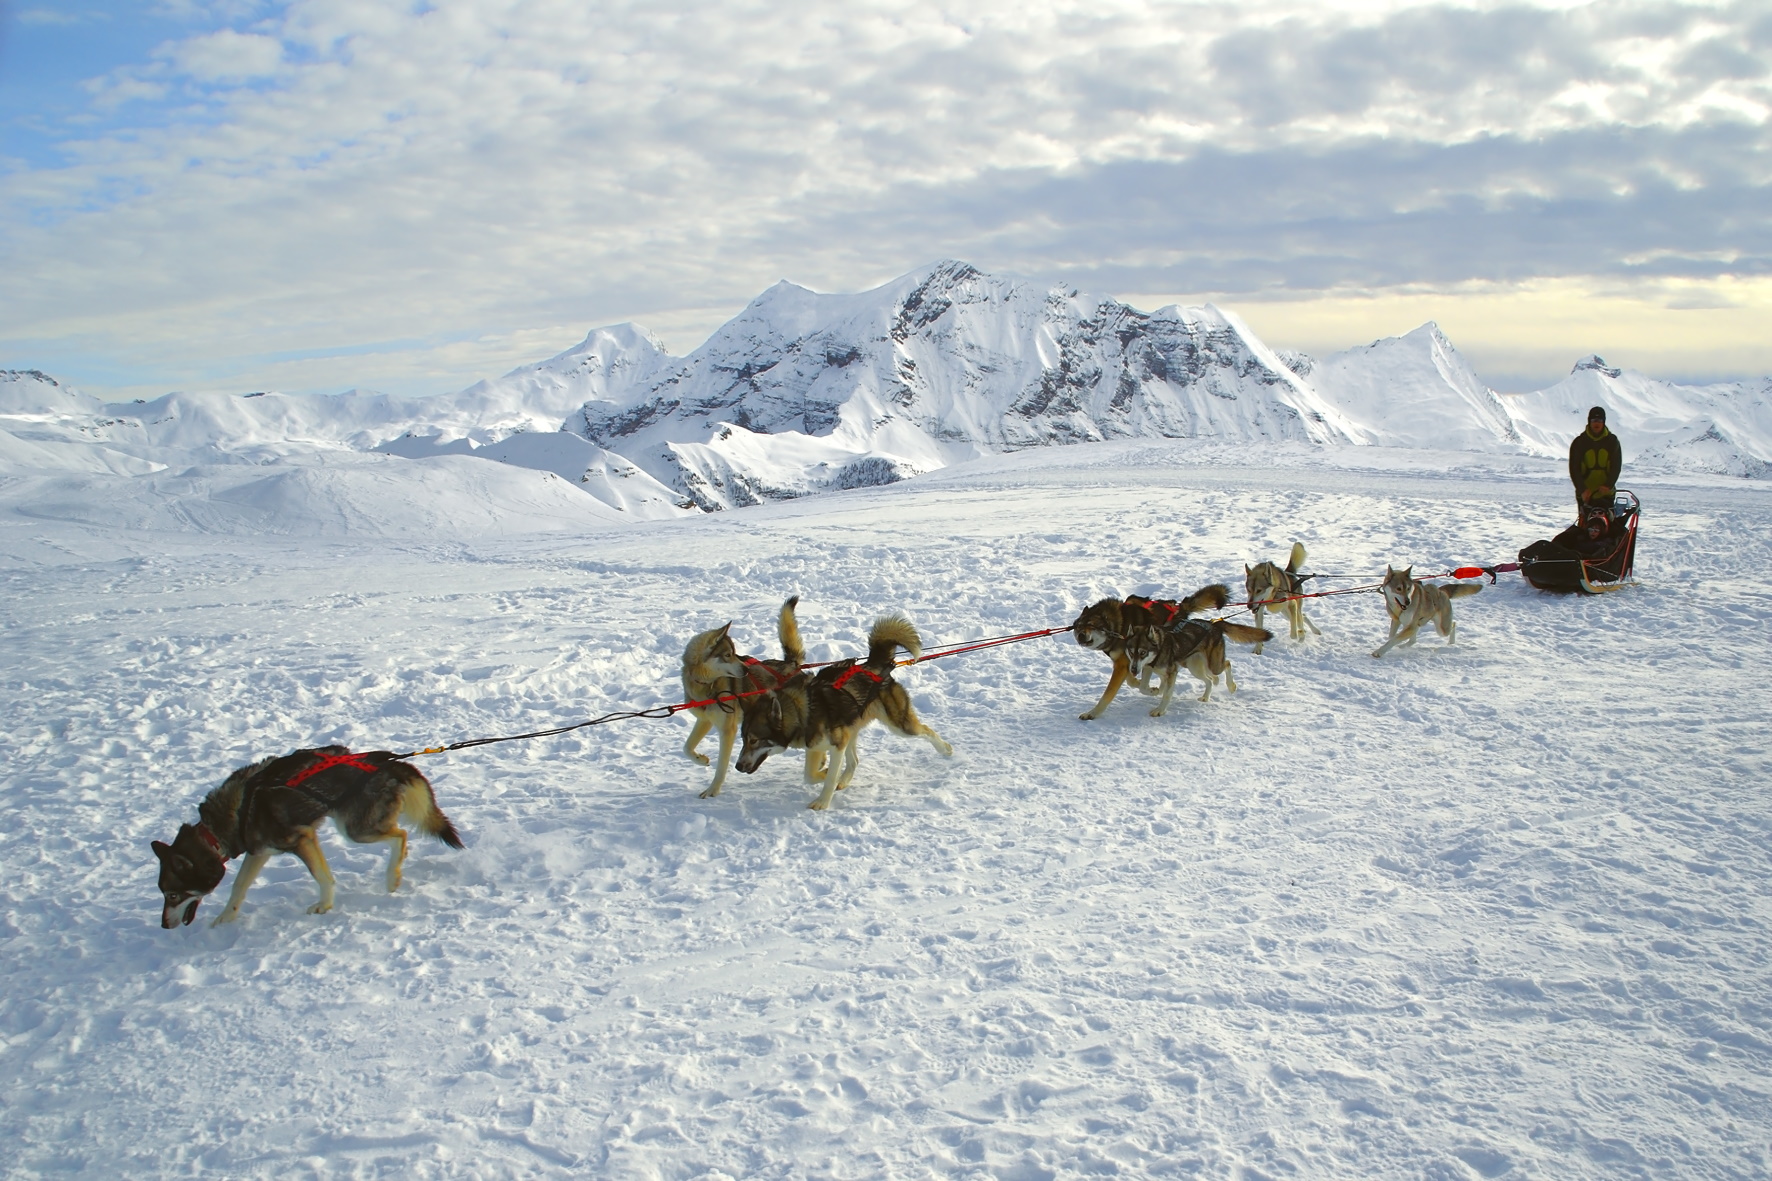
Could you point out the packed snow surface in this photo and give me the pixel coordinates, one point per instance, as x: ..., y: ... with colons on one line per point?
x: 1497, y: 909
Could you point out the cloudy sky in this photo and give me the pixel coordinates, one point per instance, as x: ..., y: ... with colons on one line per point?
x: 408, y: 195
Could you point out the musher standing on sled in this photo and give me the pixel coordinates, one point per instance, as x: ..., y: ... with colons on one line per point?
x: 1595, y: 459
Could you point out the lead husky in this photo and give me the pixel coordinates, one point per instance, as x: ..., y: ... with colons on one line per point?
x: 274, y: 806
x: 1197, y: 645
x: 1105, y: 625
x: 1413, y: 603
x: 1273, y: 589
x: 825, y: 714
x: 713, y: 670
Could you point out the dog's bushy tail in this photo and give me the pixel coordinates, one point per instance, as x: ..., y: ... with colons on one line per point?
x: 793, y: 650
x: 1207, y: 598
x: 892, y: 632
x: 1242, y: 633
x: 1459, y: 590
x: 418, y: 806
x: 1297, y: 561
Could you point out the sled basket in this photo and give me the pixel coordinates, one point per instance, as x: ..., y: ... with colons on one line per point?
x: 1556, y: 565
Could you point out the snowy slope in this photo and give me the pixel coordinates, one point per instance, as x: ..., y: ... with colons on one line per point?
x: 47, y: 428
x: 1493, y: 910
x: 348, y: 495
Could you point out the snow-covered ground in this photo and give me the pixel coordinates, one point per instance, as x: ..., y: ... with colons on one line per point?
x: 1499, y: 909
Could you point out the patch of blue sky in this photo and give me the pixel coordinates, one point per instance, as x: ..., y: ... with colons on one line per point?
x: 54, y: 55
x: 82, y: 366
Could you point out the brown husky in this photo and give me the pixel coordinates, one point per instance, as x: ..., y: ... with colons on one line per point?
x: 274, y: 806
x: 713, y: 669
x: 1104, y: 627
x: 1411, y: 604
x: 1197, y: 645
x: 825, y: 714
x: 1273, y: 589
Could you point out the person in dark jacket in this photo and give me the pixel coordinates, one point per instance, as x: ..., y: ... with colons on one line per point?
x: 1595, y: 459
x: 1595, y: 538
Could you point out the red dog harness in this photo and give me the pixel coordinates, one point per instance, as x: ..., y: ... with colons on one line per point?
x: 327, y: 763
x: 864, y: 670
x: 757, y: 666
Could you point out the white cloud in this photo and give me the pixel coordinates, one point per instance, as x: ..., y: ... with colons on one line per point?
x: 485, y: 166
x: 226, y: 56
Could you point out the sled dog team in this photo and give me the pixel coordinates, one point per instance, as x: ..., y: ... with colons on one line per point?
x: 760, y: 706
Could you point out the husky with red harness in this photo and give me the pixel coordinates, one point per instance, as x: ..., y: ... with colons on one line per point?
x: 275, y: 805
x: 717, y: 681
x: 825, y: 714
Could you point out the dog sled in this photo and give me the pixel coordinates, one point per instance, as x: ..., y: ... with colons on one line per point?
x: 1574, y: 563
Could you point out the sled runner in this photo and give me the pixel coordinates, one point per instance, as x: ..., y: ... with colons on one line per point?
x: 1571, y: 562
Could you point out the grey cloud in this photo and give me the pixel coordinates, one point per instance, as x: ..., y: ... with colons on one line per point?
x: 1500, y: 60
x: 1722, y: 57
x: 1373, y: 214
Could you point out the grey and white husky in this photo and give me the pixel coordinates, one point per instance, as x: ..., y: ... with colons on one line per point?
x: 1411, y: 604
x: 1273, y: 589
x: 1196, y: 645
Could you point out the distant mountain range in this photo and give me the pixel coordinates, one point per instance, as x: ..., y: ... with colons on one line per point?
x: 804, y: 393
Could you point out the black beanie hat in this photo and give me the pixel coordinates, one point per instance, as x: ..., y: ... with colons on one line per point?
x: 1598, y: 412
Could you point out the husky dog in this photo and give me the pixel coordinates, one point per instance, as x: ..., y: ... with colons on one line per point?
x: 1104, y: 627
x: 1197, y: 645
x: 274, y: 806
x: 1273, y: 589
x: 713, y: 669
x: 825, y: 714
x: 1413, y: 603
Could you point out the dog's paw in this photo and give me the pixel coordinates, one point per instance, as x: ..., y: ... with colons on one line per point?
x: 817, y: 805
x: 1085, y: 717
x: 710, y: 793
x: 226, y: 916
x: 699, y: 759
x: 1156, y: 713
x: 320, y: 908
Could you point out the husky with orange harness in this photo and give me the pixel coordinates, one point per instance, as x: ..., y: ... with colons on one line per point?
x: 825, y: 714
x: 275, y: 805
x: 713, y: 670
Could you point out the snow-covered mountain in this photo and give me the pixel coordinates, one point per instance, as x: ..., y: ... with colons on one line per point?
x: 1724, y: 428
x: 803, y: 393
x: 1414, y: 390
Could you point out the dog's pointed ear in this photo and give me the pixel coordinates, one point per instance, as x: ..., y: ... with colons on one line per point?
x: 1245, y: 569
x: 162, y: 850
x: 1408, y: 570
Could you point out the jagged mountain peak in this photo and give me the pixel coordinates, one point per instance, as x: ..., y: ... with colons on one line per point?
x: 944, y: 363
